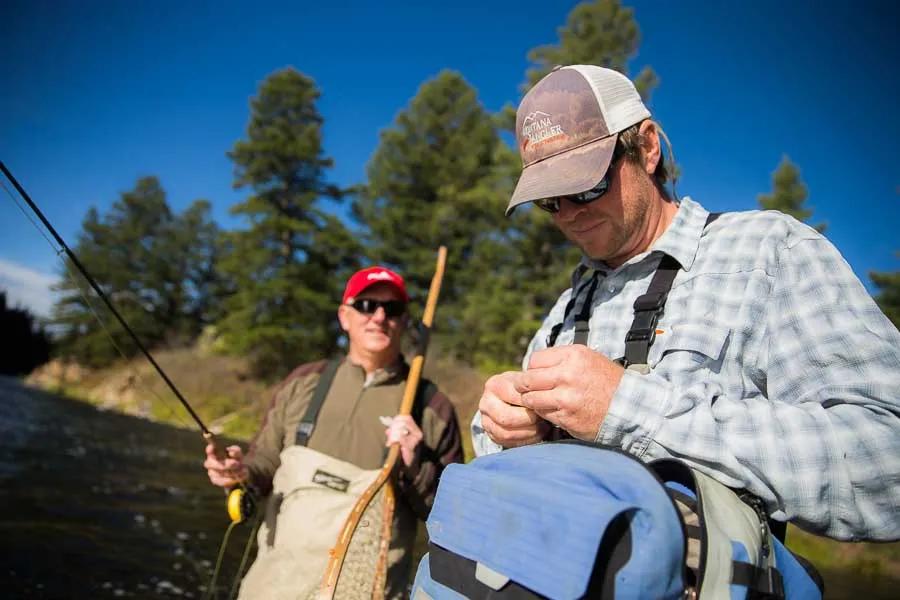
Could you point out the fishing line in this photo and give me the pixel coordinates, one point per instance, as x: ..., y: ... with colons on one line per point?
x: 238, y: 575
x: 37, y: 211
x: 56, y: 250
x: 91, y: 305
x: 211, y: 588
x: 239, y: 497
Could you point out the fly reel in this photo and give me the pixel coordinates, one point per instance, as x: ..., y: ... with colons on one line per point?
x: 241, y: 505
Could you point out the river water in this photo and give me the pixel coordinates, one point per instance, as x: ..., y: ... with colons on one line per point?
x: 96, y: 504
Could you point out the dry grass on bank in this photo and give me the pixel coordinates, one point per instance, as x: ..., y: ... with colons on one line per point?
x: 219, y: 388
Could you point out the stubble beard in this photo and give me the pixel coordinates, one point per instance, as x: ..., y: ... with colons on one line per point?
x: 616, y: 248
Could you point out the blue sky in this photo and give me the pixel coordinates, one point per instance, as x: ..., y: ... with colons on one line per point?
x: 95, y: 94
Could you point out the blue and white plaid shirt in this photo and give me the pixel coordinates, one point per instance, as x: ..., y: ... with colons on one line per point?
x: 773, y: 370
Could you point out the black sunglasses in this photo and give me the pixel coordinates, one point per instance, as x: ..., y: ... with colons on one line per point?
x: 551, y: 205
x: 367, y: 306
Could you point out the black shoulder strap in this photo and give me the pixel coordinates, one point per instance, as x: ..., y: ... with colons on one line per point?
x: 585, y: 310
x: 308, y: 422
x: 649, y: 307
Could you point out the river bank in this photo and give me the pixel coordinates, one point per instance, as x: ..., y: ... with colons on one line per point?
x: 97, y: 504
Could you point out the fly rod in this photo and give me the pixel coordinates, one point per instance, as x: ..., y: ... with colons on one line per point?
x: 207, y: 434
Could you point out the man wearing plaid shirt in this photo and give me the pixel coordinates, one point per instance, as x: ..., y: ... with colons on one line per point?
x: 763, y: 362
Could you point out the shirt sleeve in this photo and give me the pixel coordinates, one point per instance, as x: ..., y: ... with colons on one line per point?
x: 264, y: 456
x: 820, y: 441
x: 441, y: 445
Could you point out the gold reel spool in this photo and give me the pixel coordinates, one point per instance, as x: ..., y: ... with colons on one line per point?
x: 241, y: 505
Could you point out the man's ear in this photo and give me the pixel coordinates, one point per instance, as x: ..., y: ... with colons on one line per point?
x: 649, y: 136
x: 343, y: 317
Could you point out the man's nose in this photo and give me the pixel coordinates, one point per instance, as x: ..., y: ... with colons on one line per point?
x: 379, y: 315
x: 568, y: 210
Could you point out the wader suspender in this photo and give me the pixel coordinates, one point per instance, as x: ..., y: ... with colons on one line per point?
x: 584, y: 315
x: 647, y: 309
x: 308, y: 423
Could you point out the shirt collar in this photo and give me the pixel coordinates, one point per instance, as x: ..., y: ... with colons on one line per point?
x: 388, y: 374
x: 680, y: 240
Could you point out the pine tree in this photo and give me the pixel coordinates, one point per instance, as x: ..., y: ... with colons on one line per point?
x: 193, y: 247
x: 788, y: 193
x: 602, y: 33
x: 888, y: 297
x: 434, y: 179
x: 24, y: 344
x: 288, y: 267
x: 147, y: 261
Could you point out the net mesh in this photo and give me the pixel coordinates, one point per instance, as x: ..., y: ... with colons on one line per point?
x: 365, y: 564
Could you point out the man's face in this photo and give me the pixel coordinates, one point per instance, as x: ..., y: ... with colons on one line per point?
x: 610, y: 228
x: 375, y: 333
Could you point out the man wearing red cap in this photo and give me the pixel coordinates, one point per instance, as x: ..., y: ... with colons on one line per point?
x: 355, y: 420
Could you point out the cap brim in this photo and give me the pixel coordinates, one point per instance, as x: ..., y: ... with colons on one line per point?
x: 572, y: 172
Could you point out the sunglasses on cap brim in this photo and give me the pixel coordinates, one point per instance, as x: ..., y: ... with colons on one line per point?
x: 367, y: 306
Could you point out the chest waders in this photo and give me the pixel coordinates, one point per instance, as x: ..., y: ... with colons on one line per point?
x: 312, y: 494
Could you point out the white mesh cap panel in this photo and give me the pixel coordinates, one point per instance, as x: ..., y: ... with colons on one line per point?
x: 618, y: 99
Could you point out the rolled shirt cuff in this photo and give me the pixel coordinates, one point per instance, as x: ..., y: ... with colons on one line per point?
x: 635, y: 413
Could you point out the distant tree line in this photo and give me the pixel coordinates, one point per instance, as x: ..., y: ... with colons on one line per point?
x: 25, y: 342
x: 441, y: 174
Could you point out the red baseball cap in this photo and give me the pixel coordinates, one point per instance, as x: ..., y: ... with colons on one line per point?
x: 366, y: 278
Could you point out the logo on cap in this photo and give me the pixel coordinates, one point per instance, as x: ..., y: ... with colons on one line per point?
x: 380, y: 276
x: 538, y: 127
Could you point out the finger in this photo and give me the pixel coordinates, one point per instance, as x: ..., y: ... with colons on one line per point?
x: 552, y: 357
x: 405, y: 423
x: 404, y: 419
x: 510, y: 438
x: 397, y: 429
x: 496, y: 432
x: 501, y: 384
x: 395, y: 434
x: 222, y: 480
x: 232, y: 465
x: 542, y: 402
x: 235, y: 452
x: 392, y: 437
x: 536, y: 379
x: 507, y: 415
